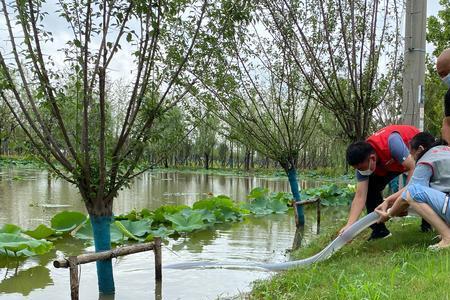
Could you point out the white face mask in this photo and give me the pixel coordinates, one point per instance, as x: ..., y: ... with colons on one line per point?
x: 367, y: 172
x: 446, y: 80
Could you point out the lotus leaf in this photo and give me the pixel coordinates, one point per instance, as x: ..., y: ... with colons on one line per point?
x: 277, y: 206
x: 137, y: 228
x: 258, y: 193
x: 41, y: 232
x: 160, y: 213
x: 15, y: 243
x: 126, y: 232
x: 10, y: 228
x: 67, y: 221
x: 85, y: 231
x: 220, y: 201
x: 186, y: 220
x: 162, y: 232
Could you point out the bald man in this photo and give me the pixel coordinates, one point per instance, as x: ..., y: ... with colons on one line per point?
x: 443, y: 69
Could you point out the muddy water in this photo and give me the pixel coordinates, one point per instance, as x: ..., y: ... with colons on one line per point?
x: 30, y: 197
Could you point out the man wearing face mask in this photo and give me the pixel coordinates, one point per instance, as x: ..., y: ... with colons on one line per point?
x: 443, y: 69
x: 378, y: 160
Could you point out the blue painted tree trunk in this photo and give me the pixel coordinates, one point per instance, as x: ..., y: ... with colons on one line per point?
x: 292, y: 176
x: 102, y: 240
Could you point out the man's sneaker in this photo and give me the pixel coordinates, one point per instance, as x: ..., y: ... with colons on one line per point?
x: 379, y: 234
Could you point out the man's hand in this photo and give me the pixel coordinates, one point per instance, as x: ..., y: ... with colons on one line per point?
x: 383, y: 213
x: 384, y: 205
x: 345, y: 228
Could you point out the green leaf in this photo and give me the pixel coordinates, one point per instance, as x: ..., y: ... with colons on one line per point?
x: 67, y: 220
x: 85, y: 231
x: 187, y: 220
x: 126, y: 232
x: 41, y: 232
x: 15, y: 243
x: 277, y: 206
x: 10, y: 228
x: 137, y: 228
x: 162, y: 232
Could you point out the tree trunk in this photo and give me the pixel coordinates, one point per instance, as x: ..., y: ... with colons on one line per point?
x: 230, y: 160
x: 206, y: 160
x: 292, y: 176
x: 100, y: 214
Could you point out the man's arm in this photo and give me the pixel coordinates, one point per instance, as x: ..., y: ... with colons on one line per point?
x: 397, y: 209
x: 358, y: 203
x: 409, y: 165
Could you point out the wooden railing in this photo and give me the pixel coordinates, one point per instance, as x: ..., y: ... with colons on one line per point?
x: 72, y: 262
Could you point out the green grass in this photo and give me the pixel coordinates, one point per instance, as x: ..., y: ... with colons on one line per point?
x: 21, y: 161
x: 399, y: 267
x: 323, y: 174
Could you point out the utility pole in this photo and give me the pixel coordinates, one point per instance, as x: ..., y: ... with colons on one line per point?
x: 414, y: 72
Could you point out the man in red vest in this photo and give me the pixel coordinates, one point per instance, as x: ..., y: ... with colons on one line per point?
x: 378, y: 160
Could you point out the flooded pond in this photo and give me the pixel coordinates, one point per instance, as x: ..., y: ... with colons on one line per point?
x: 29, y: 197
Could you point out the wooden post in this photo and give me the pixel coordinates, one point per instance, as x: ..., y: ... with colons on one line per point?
x: 158, y: 259
x: 74, y: 284
x: 309, y: 201
x: 318, y: 215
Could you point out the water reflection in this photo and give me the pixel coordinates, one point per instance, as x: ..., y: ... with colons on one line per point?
x: 25, y: 281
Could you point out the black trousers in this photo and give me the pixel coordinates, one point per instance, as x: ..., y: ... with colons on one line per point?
x: 375, y: 196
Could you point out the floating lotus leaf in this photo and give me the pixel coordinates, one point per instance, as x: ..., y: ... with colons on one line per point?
x: 85, y: 231
x: 163, y: 232
x: 13, y: 243
x: 126, y: 232
x: 41, y: 232
x: 137, y: 228
x: 186, y: 220
x: 277, y: 206
x: 67, y: 221
x: 10, y: 228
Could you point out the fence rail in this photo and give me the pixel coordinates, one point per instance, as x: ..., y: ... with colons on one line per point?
x: 72, y: 262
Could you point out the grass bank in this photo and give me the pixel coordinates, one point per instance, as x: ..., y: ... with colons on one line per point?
x: 399, y: 267
x: 323, y: 174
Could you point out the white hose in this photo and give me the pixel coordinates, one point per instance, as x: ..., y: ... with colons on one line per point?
x: 334, y: 246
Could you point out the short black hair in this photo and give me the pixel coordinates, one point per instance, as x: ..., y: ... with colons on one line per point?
x: 358, y: 152
x: 427, y: 141
x: 424, y: 139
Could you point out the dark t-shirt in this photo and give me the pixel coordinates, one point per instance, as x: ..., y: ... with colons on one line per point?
x: 399, y: 152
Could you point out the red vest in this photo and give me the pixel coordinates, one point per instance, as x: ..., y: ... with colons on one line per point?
x: 379, y: 141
